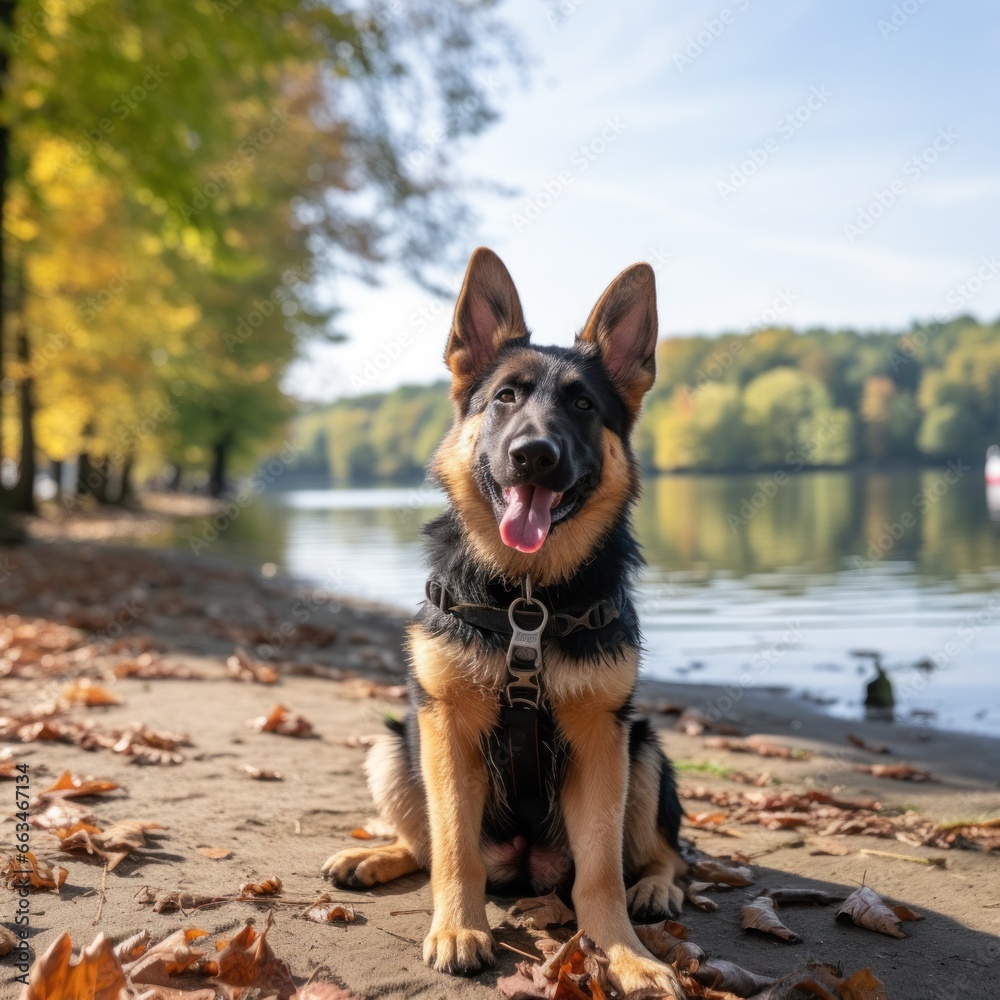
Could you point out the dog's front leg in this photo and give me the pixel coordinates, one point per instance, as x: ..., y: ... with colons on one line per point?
x: 455, y: 778
x: 593, y: 801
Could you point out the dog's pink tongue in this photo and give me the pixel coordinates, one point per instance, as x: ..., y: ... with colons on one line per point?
x: 528, y: 517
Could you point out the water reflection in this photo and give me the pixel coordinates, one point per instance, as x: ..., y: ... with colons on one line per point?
x: 752, y: 580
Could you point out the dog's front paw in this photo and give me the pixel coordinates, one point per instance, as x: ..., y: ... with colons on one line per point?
x: 632, y: 973
x: 458, y: 951
x: 654, y: 898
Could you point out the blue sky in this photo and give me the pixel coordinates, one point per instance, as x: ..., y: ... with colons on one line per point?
x: 836, y: 163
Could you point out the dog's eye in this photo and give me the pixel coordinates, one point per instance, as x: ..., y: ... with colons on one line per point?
x: 505, y: 396
x: 583, y: 403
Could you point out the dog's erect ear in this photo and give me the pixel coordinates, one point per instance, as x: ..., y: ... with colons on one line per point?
x: 488, y: 315
x: 623, y: 325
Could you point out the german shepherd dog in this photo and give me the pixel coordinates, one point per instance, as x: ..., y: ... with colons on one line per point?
x: 521, y: 763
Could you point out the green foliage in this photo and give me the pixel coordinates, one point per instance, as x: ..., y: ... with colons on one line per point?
x: 771, y: 399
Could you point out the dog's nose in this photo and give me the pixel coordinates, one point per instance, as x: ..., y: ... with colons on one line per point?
x: 534, y: 456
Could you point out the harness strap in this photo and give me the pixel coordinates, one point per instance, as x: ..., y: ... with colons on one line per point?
x: 598, y: 616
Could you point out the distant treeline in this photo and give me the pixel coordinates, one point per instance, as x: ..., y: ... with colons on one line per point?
x: 771, y: 398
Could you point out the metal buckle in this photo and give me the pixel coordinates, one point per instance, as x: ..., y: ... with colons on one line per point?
x: 524, y: 654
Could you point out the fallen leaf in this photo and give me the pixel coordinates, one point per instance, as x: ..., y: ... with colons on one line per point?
x: 325, y: 991
x: 360, y: 833
x: 95, y: 974
x: 25, y: 868
x: 85, y: 692
x: 269, y: 887
x: 719, y: 974
x: 360, y: 687
x: 70, y: 786
x: 242, y: 667
x: 167, y: 958
x: 863, y: 986
x: 214, y: 853
x: 763, y: 748
x: 833, y: 848
x: 259, y: 774
x: 326, y: 911
x: 247, y: 960
x: 802, y: 982
x: 760, y: 915
x: 901, y: 772
x: 360, y: 742
x: 541, y: 911
x: 713, y: 870
x: 693, y: 894
x: 864, y: 744
x: 171, y: 900
x: 113, y: 844
x: 667, y: 941
x: 280, y: 720
x: 867, y: 909
x: 7, y: 942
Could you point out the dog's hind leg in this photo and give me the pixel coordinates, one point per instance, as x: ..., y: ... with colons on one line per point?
x: 652, y: 822
x: 398, y: 794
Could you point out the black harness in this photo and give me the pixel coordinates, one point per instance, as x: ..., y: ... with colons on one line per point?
x: 523, y: 740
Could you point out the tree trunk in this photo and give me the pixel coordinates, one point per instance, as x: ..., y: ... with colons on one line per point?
x: 220, y: 459
x: 7, y: 8
x: 126, y: 491
x: 56, y: 472
x: 23, y: 494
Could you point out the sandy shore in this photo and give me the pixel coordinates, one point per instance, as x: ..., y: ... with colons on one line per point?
x: 168, y: 612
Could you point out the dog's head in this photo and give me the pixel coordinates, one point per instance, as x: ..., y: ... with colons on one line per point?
x: 538, y: 462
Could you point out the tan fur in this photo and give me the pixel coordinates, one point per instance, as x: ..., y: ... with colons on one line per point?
x: 624, y: 325
x: 593, y: 801
x: 568, y: 546
x: 456, y: 782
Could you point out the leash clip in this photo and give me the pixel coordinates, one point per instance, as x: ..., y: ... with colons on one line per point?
x: 524, y: 654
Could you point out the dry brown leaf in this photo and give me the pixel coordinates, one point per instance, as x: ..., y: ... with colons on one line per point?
x: 864, y: 744
x: 242, y: 667
x: 867, y: 909
x: 714, y: 870
x: 95, y: 974
x: 214, y: 853
x: 667, y: 940
x: 901, y: 772
x: 706, y: 818
x: 360, y: 833
x: 280, y: 720
x: 863, y: 986
x: 360, y: 687
x: 360, y: 742
x: 7, y: 942
x: 113, y: 844
x: 760, y: 915
x: 247, y: 960
x: 693, y: 894
x: 762, y: 748
x: 269, y: 887
x: 720, y: 975
x: 325, y: 991
x: 833, y: 848
x: 328, y: 911
x: 169, y: 901
x: 801, y: 983
x: 146, y: 666
x: 259, y: 774
x: 69, y: 785
x: 167, y: 958
x: 541, y: 911
x: 85, y: 692
x: 21, y: 866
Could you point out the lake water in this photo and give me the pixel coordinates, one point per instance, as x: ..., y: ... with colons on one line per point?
x: 772, y: 581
